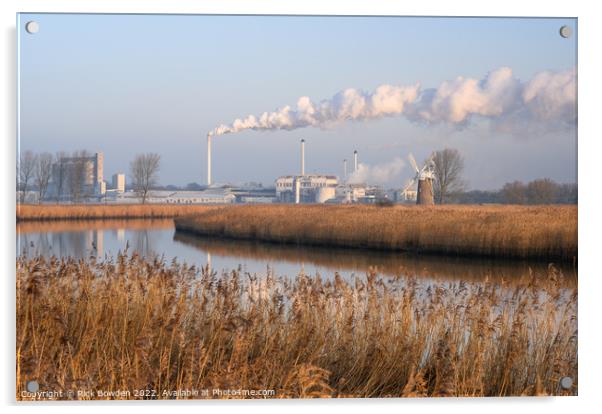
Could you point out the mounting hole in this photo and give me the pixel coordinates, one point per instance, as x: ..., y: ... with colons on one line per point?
x: 566, y: 31
x: 32, y: 27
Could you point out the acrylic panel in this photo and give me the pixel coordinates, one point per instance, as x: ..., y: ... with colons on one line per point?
x: 244, y: 206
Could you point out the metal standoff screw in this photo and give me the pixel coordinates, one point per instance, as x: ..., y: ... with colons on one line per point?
x: 32, y: 27
x: 32, y: 386
x: 566, y: 31
x: 566, y: 382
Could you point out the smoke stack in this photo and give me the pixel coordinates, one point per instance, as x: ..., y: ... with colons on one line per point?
x: 208, y: 159
x: 345, y: 169
x: 354, y: 161
x: 302, y: 157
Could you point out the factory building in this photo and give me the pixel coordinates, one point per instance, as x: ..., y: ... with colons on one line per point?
x: 305, y: 188
x: 406, y: 196
x: 309, y: 188
x: 85, y: 172
x: 213, y: 196
x: 254, y: 194
x: 193, y: 197
x: 350, y: 193
x: 118, y: 183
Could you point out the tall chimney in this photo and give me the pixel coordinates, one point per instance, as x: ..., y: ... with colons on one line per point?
x: 302, y: 157
x: 208, y: 159
x: 345, y: 169
x: 355, y: 161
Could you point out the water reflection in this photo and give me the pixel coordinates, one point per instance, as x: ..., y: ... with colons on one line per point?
x: 152, y: 238
x: 81, y: 239
x: 362, y: 261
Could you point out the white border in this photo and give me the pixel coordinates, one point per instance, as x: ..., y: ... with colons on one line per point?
x: 590, y: 71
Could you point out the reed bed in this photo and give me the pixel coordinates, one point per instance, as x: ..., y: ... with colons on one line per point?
x: 31, y: 212
x: 50, y: 226
x: 131, y: 323
x: 544, y: 232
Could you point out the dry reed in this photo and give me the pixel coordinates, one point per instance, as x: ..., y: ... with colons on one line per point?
x: 547, y: 232
x: 31, y: 212
x: 138, y: 324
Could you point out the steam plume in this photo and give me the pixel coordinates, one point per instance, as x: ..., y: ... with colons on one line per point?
x: 380, y: 173
x: 549, y: 97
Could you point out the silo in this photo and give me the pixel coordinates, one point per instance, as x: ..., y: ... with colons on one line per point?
x: 297, y: 190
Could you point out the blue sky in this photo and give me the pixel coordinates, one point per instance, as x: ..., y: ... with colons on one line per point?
x: 124, y: 84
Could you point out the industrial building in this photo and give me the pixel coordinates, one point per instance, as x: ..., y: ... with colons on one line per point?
x: 118, y: 183
x: 305, y: 188
x: 192, y: 197
x: 213, y: 196
x: 350, y: 193
x: 313, y: 187
x: 253, y: 194
x: 310, y: 188
x: 405, y: 196
x: 83, y: 175
x: 85, y: 172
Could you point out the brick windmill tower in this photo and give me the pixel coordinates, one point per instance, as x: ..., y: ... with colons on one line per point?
x: 424, y: 177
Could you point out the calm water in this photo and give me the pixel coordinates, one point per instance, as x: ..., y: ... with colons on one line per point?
x: 158, y: 238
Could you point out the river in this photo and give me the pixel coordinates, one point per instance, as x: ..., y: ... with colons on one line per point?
x: 158, y: 238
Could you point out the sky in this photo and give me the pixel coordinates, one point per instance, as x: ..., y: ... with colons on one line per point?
x: 127, y: 84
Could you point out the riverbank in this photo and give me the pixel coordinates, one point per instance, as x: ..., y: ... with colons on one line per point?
x: 535, y: 232
x: 43, y: 212
x: 134, y: 324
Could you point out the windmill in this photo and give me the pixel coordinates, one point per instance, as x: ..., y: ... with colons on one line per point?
x: 424, y: 176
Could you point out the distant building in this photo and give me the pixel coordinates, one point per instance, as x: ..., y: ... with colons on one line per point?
x: 256, y: 200
x: 305, y: 188
x: 118, y: 183
x: 217, y: 196
x: 83, y: 175
x: 407, y: 196
x: 351, y: 193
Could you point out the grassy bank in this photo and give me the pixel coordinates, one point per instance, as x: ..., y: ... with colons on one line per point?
x: 546, y: 232
x: 129, y: 324
x: 32, y: 212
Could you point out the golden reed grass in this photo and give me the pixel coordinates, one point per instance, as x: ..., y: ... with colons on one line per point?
x: 132, y: 323
x: 49, y: 226
x: 548, y: 232
x: 32, y: 212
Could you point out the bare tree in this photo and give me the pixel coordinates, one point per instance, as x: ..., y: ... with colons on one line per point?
x: 26, y: 168
x: 76, y: 175
x: 59, y: 174
x: 514, y: 193
x: 541, y: 191
x: 449, y: 166
x: 42, y: 173
x: 144, y: 171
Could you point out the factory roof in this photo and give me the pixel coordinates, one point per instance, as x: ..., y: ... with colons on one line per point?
x: 333, y: 177
x: 189, y: 194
